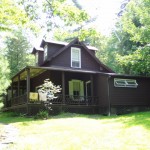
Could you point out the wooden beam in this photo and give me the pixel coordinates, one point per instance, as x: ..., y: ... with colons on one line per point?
x: 12, y: 89
x: 92, y: 88
x: 28, y: 83
x: 63, y: 86
x: 19, y: 85
x: 92, y: 85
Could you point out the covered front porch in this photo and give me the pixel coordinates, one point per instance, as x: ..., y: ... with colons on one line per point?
x: 77, y: 87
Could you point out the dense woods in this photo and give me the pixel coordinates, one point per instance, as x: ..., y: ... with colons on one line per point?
x: 126, y: 50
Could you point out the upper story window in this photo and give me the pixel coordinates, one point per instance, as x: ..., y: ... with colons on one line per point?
x: 45, y: 52
x: 131, y: 83
x: 75, y: 57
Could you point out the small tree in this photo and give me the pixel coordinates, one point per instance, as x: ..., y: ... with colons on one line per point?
x: 49, y: 89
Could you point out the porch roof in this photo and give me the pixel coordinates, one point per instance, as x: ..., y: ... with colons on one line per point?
x: 35, y: 71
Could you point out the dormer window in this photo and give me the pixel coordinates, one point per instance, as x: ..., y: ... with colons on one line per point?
x: 75, y: 57
x: 45, y: 52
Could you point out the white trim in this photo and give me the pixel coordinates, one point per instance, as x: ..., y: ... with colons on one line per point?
x: 45, y: 52
x: 130, y: 83
x: 79, y: 50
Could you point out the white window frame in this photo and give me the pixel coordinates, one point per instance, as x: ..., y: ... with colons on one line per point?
x: 45, y: 52
x: 79, y: 50
x: 130, y: 83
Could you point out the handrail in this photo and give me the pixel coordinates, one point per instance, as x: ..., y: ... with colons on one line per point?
x: 69, y: 100
x: 19, y: 100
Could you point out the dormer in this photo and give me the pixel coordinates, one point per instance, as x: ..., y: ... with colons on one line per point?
x: 38, y: 53
x: 51, y: 47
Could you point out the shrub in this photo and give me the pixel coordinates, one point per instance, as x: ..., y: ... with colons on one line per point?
x: 43, y: 114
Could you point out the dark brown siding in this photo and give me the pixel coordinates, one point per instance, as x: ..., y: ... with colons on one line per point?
x: 56, y: 78
x: 40, y: 57
x: 64, y: 60
x: 102, y: 90
x: 131, y: 96
x: 53, y: 48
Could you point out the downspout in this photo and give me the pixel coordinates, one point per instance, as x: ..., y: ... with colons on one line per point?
x: 109, y: 100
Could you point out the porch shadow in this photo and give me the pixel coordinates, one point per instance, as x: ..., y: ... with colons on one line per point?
x: 10, y: 117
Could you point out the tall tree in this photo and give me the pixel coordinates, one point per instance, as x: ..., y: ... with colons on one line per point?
x: 136, y: 24
x: 17, y: 52
x: 4, y: 74
x: 127, y: 50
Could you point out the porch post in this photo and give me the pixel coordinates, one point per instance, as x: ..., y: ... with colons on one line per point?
x: 92, y: 87
x: 11, y: 100
x: 28, y: 83
x: 28, y: 88
x: 18, y: 85
x: 63, y: 87
x: 12, y: 89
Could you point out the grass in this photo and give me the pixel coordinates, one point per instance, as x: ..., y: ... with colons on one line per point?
x: 81, y: 132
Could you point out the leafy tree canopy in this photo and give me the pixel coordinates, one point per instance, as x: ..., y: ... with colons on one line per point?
x: 17, y: 52
x: 11, y: 15
x: 4, y: 74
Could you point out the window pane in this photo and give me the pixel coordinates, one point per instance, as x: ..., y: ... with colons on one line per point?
x: 75, y: 55
x: 75, y: 63
x: 131, y: 83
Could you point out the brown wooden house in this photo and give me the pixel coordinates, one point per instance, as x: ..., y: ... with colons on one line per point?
x: 88, y: 85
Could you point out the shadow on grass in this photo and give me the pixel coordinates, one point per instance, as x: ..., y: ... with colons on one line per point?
x: 136, y: 119
x: 129, y: 120
x: 10, y: 117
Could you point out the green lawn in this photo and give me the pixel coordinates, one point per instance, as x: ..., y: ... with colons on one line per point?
x: 82, y: 132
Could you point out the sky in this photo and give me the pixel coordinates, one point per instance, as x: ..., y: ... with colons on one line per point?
x: 105, y: 10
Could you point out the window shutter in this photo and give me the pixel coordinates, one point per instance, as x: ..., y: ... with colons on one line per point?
x: 81, y: 88
x: 70, y: 88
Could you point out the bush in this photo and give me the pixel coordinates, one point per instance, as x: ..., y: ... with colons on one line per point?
x: 43, y: 114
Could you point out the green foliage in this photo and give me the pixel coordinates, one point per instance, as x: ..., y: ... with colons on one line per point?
x: 43, y: 114
x: 11, y: 14
x: 4, y: 74
x: 127, y: 50
x: 136, y: 20
x: 83, y: 34
x: 136, y: 63
x: 17, y: 52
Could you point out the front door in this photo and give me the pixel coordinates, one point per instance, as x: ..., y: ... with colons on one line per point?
x: 76, y: 88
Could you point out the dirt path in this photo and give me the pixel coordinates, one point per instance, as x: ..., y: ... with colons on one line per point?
x: 8, y: 136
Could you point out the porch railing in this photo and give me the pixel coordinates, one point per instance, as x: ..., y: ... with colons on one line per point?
x: 19, y: 100
x: 75, y: 100
x: 68, y: 100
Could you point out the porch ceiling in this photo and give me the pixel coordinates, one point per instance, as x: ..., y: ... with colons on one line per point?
x: 33, y: 73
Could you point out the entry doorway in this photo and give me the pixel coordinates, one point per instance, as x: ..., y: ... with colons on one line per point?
x: 88, y: 88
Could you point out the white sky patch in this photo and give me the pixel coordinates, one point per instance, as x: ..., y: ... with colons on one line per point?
x: 106, y: 10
